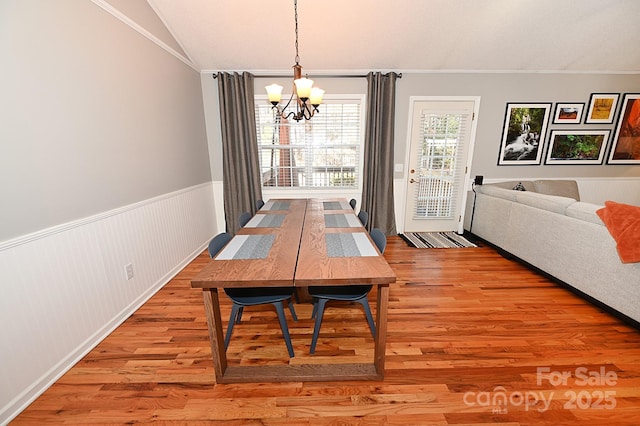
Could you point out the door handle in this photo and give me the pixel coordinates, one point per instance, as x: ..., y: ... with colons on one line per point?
x: 413, y: 181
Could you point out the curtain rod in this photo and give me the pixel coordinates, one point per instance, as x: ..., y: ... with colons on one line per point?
x: 317, y: 76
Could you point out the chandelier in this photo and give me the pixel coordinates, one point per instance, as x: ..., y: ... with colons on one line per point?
x: 307, y: 97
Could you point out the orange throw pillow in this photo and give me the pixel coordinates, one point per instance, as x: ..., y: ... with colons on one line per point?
x: 623, y: 223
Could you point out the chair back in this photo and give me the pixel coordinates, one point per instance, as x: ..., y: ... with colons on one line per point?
x: 379, y: 239
x: 244, y: 219
x: 364, y: 217
x: 259, y: 204
x: 219, y: 241
x: 352, y: 203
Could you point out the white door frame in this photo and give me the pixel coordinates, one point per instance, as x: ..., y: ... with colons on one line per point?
x: 401, y: 201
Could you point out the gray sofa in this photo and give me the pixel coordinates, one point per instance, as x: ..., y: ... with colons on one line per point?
x: 548, y: 227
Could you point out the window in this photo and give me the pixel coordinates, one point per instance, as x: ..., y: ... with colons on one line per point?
x: 323, y: 152
x: 438, y: 162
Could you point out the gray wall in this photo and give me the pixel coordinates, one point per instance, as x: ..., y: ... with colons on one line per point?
x: 495, y: 90
x: 94, y: 116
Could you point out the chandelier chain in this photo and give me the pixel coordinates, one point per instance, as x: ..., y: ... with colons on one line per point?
x: 304, y: 96
x: 295, y: 8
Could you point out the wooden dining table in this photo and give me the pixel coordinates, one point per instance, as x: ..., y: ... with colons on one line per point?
x: 298, y: 243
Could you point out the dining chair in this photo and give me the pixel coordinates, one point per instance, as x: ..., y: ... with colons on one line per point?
x: 244, y: 219
x: 352, y: 203
x: 259, y: 204
x: 350, y: 293
x: 253, y: 296
x: 364, y: 217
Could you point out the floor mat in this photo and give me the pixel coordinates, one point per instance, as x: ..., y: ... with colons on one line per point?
x: 436, y: 240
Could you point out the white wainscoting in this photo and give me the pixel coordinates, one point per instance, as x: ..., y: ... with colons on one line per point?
x: 218, y: 199
x: 64, y: 289
x: 599, y: 190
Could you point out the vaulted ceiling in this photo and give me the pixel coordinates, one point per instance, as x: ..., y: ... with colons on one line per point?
x: 407, y: 35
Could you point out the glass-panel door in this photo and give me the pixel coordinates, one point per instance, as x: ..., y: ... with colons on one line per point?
x: 440, y: 139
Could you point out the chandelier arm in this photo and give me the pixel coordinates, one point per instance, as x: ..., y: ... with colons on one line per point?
x: 289, y: 102
x: 304, y: 108
x: 308, y: 112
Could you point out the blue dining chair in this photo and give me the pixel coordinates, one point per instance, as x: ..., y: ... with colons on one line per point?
x: 244, y: 219
x: 253, y: 296
x: 352, y: 203
x: 259, y: 204
x: 349, y: 293
x: 364, y: 217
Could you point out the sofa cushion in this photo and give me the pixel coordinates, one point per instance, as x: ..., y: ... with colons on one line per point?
x: 550, y: 203
x: 623, y: 223
x: 585, y: 211
x: 561, y: 188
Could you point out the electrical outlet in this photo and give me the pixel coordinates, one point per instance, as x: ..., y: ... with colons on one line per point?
x: 478, y: 180
x: 128, y: 268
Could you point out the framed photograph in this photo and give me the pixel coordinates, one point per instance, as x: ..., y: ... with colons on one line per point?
x: 577, y: 146
x: 602, y: 108
x: 568, y: 113
x: 525, y: 127
x: 625, y: 148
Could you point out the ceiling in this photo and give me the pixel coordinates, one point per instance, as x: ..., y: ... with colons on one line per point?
x: 347, y: 36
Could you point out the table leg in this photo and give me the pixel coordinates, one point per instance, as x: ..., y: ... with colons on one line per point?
x: 288, y: 373
x: 214, y: 323
x: 382, y: 305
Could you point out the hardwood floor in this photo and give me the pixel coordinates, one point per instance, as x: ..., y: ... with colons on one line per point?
x: 466, y: 327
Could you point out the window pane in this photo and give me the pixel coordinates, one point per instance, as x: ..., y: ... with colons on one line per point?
x: 440, y: 138
x: 318, y: 153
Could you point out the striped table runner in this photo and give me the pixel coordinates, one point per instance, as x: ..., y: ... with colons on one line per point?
x: 276, y: 205
x: 247, y: 247
x: 349, y: 245
x: 341, y: 221
x: 336, y: 205
x: 265, y: 221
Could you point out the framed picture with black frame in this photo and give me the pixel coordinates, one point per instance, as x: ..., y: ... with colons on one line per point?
x: 625, y: 148
x: 568, y: 113
x: 523, y: 135
x: 602, y: 108
x: 567, y: 147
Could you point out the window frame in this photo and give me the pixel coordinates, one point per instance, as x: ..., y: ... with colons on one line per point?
x: 326, y: 191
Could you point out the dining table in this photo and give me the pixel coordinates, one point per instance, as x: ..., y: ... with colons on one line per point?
x: 297, y: 243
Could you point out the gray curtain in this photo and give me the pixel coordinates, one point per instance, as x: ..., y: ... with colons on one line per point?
x: 241, y: 168
x: 377, y: 191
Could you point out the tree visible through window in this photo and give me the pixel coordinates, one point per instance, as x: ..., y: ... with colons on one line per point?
x: 319, y: 153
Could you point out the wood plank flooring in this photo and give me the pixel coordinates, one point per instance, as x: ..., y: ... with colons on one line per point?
x: 473, y: 339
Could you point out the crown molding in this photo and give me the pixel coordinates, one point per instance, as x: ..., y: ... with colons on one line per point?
x: 135, y: 26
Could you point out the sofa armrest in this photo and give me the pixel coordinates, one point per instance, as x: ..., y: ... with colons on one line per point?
x: 498, y: 192
x: 585, y: 211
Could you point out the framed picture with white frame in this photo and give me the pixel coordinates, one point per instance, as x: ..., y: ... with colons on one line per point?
x: 568, y: 113
x: 524, y: 133
x: 602, y: 108
x: 568, y: 147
